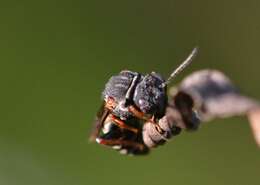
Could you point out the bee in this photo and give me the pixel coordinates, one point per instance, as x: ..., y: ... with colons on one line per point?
x: 131, y: 102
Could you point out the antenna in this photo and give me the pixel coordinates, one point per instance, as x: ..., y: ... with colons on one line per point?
x: 183, y: 65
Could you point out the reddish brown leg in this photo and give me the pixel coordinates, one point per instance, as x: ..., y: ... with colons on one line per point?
x: 142, y: 116
x: 124, y: 143
x: 137, y: 113
x: 122, y: 124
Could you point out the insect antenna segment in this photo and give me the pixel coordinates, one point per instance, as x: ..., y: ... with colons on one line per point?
x: 183, y: 65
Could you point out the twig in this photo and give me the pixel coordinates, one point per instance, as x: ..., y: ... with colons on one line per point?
x: 201, y: 97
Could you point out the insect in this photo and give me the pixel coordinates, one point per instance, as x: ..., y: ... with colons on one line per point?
x: 132, y: 100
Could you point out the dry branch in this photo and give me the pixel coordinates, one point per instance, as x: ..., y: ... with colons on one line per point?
x: 201, y: 97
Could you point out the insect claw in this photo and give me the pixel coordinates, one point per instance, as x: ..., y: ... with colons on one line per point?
x: 158, y: 128
x: 156, y: 125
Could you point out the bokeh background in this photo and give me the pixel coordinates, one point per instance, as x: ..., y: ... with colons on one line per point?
x: 56, y: 56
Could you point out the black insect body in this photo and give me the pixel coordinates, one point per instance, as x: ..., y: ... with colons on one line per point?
x: 131, y: 93
x: 132, y: 100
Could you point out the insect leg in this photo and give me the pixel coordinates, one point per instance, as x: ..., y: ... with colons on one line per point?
x: 156, y: 125
x: 122, y: 124
x: 137, y: 113
x: 123, y: 143
x: 142, y: 116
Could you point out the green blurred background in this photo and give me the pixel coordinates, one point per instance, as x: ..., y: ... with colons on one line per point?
x: 56, y: 56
